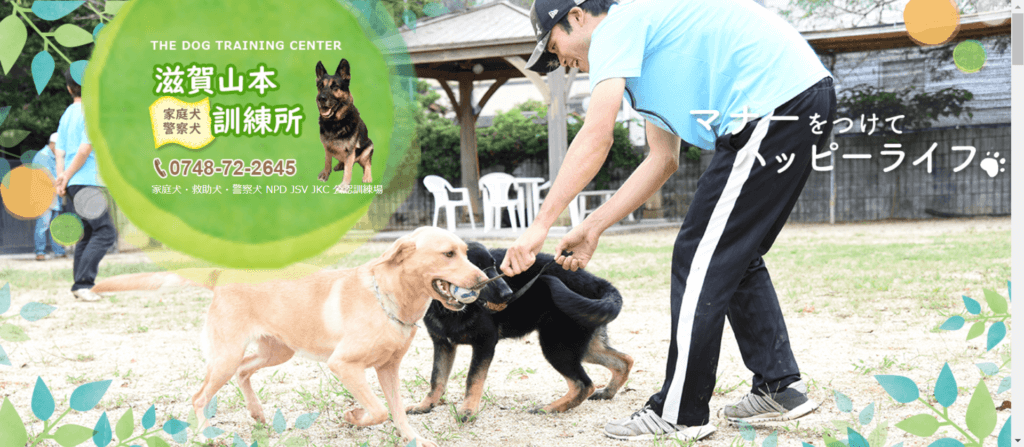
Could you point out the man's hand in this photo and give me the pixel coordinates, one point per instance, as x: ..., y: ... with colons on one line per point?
x: 61, y: 184
x: 523, y: 252
x: 581, y: 242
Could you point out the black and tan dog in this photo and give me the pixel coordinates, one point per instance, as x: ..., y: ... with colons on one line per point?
x: 342, y: 132
x: 570, y: 311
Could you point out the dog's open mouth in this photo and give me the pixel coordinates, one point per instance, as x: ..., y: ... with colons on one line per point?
x: 448, y: 292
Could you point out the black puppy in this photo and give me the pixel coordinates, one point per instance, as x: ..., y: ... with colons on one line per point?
x: 570, y: 311
x: 342, y: 132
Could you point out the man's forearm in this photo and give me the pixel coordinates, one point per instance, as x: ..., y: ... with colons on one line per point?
x: 653, y: 172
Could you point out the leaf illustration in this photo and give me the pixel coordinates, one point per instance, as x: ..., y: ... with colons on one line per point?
x: 279, y: 422
x: 71, y: 435
x: 42, y: 69
x: 238, y: 442
x: 772, y: 440
x: 953, y: 323
x: 53, y: 10
x: 867, y: 414
x: 981, y: 412
x: 856, y: 439
x: 5, y: 292
x: 156, y: 441
x: 11, y: 426
x: 3, y: 117
x: 1004, y: 385
x: 96, y: 31
x: 78, y: 70
x: 996, y: 332
x: 13, y: 35
x: 72, y: 36
x: 1005, y: 434
x: 42, y: 400
x: 409, y: 18
x: 294, y: 441
x: 988, y: 369
x: 35, y: 311
x: 10, y: 332
x: 879, y: 434
x: 973, y: 306
x: 832, y: 442
x: 923, y: 425
x: 174, y: 426
x: 112, y: 7
x: 995, y: 301
x: 86, y: 396
x: 212, y: 432
x: 4, y: 359
x: 102, y: 437
x: 945, y: 387
x: 747, y: 431
x: 180, y: 437
x: 211, y: 409
x: 11, y: 137
x: 843, y: 402
x: 976, y: 330
x: 434, y: 9
x: 305, y: 421
x: 149, y: 418
x: 125, y: 426
x: 946, y: 442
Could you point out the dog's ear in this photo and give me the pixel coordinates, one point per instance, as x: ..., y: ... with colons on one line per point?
x: 320, y: 71
x: 400, y: 250
x: 343, y: 69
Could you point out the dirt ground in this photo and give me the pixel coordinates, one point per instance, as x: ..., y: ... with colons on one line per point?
x: 147, y: 343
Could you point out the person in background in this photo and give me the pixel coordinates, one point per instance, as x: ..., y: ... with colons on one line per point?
x: 47, y: 159
x: 77, y: 174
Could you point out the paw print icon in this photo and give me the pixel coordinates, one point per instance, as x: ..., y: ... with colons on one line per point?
x: 992, y: 164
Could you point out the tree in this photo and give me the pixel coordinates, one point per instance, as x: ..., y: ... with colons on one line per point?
x: 858, y: 13
x: 40, y: 113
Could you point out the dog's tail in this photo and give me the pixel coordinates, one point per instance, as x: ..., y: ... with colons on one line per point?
x: 589, y: 312
x: 156, y: 281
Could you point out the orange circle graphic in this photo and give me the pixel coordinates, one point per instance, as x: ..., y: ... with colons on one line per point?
x: 27, y: 193
x: 931, y: 22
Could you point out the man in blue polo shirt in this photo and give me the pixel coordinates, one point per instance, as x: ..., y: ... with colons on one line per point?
x: 77, y: 177
x: 724, y: 75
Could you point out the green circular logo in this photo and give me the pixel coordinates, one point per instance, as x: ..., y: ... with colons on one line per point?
x: 66, y: 228
x: 969, y: 56
x: 251, y: 137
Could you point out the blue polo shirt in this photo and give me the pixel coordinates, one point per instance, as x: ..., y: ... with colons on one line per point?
x: 70, y: 136
x: 679, y: 56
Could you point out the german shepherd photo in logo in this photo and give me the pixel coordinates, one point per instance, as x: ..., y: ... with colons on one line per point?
x: 342, y: 132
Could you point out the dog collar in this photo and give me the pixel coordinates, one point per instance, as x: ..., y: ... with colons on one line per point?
x: 380, y: 299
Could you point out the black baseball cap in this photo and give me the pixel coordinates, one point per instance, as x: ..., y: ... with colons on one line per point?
x: 544, y: 15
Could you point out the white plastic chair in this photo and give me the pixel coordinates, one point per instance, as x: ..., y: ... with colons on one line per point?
x: 440, y: 188
x: 574, y: 208
x: 495, y: 188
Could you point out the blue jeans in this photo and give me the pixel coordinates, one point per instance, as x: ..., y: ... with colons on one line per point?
x: 42, y: 234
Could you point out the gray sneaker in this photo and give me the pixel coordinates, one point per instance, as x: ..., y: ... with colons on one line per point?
x: 645, y: 425
x: 786, y: 405
x: 87, y: 295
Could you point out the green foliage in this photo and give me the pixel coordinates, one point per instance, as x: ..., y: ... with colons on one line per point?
x: 919, y: 108
x: 39, y: 113
x: 515, y: 137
